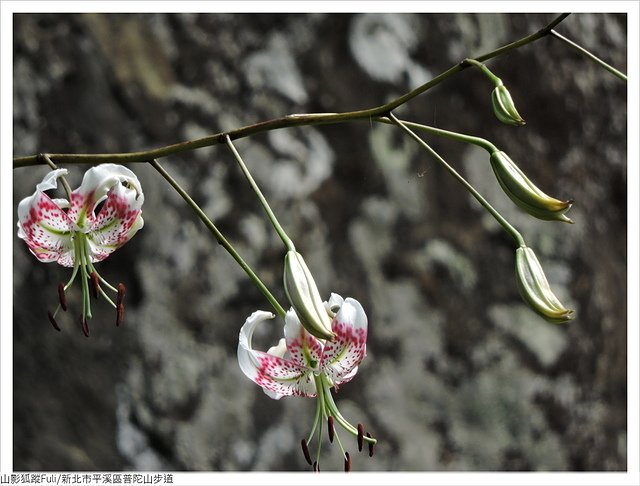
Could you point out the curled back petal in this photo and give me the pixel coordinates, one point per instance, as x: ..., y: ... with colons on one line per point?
x: 117, y: 221
x: 96, y: 183
x: 304, y: 349
x: 43, y: 224
x: 333, y: 304
x: 277, y: 376
x: 343, y: 355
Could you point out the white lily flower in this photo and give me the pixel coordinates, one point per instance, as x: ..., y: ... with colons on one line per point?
x: 303, y: 365
x: 73, y: 234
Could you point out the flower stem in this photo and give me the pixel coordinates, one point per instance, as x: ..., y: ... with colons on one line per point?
x: 595, y: 59
x: 459, y: 137
x: 221, y: 239
x: 286, y: 121
x: 503, y: 222
x: 494, y: 79
x: 272, y: 217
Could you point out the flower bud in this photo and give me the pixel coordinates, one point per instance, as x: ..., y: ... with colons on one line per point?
x: 304, y: 297
x: 503, y: 106
x: 524, y: 193
x: 534, y: 288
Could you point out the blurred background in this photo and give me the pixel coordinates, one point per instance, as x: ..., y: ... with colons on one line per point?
x: 460, y: 374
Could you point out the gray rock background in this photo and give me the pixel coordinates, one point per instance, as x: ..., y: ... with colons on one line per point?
x: 460, y: 375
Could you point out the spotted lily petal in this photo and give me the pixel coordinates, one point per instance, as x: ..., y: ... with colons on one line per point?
x: 276, y: 375
x: 117, y: 221
x: 342, y: 356
x: 96, y: 184
x: 305, y: 350
x: 44, y: 226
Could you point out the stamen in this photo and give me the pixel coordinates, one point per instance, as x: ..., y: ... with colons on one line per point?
x: 95, y: 284
x: 53, y: 322
x: 360, y: 437
x: 332, y: 431
x: 121, y: 290
x: 316, y: 467
x: 347, y: 462
x: 119, y: 314
x: 371, y: 445
x: 85, y: 326
x: 305, y: 451
x: 62, y: 297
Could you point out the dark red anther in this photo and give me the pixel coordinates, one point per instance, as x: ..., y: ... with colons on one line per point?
x: 332, y: 431
x: 53, y: 322
x: 305, y: 451
x: 84, y: 325
x: 347, y: 462
x: 371, y: 445
x: 360, y: 437
x: 119, y: 314
x: 95, y: 284
x: 62, y: 297
x: 316, y: 467
x: 120, y: 297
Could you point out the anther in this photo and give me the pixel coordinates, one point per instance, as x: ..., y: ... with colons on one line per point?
x: 371, y: 445
x: 347, y: 462
x: 53, y: 322
x: 332, y: 431
x: 305, y: 451
x: 95, y: 284
x: 316, y: 466
x: 84, y: 325
x: 62, y: 297
x: 119, y: 314
x: 120, y: 297
x: 360, y: 437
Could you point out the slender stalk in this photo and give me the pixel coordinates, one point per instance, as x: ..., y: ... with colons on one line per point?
x: 219, y: 236
x: 494, y: 79
x: 272, y: 217
x: 283, y: 122
x: 595, y: 59
x: 503, y: 222
x: 459, y: 137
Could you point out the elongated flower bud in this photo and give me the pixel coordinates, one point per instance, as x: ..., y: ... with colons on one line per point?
x: 504, y: 108
x: 524, y: 193
x: 304, y: 297
x: 534, y: 288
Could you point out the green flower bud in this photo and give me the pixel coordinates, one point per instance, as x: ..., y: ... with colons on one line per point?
x: 504, y: 108
x: 304, y: 297
x: 524, y: 193
x: 534, y: 288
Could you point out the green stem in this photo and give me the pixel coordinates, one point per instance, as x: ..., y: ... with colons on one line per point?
x: 459, y: 137
x: 595, y: 59
x: 86, y: 296
x: 272, y: 217
x: 494, y: 79
x: 283, y: 122
x: 219, y: 236
x: 503, y: 222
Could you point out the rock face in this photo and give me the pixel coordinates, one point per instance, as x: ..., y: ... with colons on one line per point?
x: 460, y: 375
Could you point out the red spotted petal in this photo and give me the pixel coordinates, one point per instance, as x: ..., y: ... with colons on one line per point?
x: 276, y: 375
x: 305, y: 350
x: 96, y: 184
x: 342, y: 356
x: 44, y: 225
x: 117, y: 221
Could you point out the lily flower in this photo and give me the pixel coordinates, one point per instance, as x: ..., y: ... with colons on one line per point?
x: 303, y: 365
x: 99, y: 217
